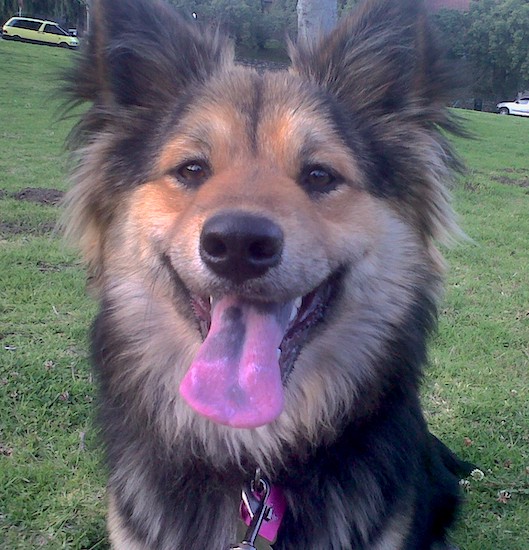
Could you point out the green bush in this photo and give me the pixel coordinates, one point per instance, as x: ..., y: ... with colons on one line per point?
x: 249, y: 23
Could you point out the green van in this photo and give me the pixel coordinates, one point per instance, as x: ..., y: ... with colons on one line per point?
x: 38, y: 31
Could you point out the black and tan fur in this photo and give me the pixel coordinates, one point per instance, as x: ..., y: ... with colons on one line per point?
x: 344, y: 153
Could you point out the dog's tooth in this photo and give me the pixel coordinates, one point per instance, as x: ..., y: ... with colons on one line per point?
x: 293, y: 313
x: 297, y: 302
x: 210, y: 300
x: 278, y: 353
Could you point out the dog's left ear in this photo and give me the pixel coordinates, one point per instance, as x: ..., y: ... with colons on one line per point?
x: 388, y: 75
x: 382, y: 58
x: 142, y: 53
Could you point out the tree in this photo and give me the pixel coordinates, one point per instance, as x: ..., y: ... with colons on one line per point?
x: 70, y: 12
x: 8, y: 8
x: 498, y: 46
x: 248, y: 21
x: 493, y: 37
x: 316, y: 17
x: 453, y: 27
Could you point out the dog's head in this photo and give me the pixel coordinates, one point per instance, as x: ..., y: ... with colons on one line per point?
x: 291, y: 216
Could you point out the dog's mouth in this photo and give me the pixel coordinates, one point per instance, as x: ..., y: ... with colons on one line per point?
x: 248, y: 353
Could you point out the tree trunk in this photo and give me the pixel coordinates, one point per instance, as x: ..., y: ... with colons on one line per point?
x: 316, y: 17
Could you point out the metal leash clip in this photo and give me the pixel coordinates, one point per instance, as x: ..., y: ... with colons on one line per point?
x: 255, y: 499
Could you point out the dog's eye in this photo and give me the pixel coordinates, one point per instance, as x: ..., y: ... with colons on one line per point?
x: 318, y: 179
x: 191, y: 174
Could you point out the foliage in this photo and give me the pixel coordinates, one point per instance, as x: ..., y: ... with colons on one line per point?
x: 499, y: 45
x: 453, y: 26
x: 66, y: 12
x: 494, y: 37
x: 250, y: 22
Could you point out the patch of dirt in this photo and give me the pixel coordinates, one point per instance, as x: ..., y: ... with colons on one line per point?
x: 470, y: 186
x: 5, y: 450
x: 518, y: 182
x: 45, y: 267
x: 2, y: 194
x: 515, y: 170
x: 18, y: 227
x: 39, y: 195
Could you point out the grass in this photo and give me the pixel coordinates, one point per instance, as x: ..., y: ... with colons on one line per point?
x: 478, y: 387
x: 476, y: 392
x: 51, y: 480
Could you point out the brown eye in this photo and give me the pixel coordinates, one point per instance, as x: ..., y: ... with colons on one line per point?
x: 191, y: 174
x: 318, y: 179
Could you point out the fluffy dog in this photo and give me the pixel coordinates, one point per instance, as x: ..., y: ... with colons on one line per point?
x: 263, y: 248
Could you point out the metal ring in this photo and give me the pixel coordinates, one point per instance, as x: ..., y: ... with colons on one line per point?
x: 260, y: 485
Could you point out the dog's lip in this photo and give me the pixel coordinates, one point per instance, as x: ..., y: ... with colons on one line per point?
x: 306, y: 312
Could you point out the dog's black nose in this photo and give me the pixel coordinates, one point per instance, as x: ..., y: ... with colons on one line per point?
x: 240, y: 246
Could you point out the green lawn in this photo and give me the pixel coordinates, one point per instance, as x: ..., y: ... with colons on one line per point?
x: 476, y: 393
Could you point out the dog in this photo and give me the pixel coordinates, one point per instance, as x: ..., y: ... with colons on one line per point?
x: 264, y: 250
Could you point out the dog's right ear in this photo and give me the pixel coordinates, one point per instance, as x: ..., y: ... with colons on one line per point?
x: 141, y: 53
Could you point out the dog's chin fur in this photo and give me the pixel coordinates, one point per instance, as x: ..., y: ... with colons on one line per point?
x: 345, y: 157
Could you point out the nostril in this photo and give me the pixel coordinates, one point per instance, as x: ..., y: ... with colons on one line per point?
x: 214, y: 246
x: 263, y: 249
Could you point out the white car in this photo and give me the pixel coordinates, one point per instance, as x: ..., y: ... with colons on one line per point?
x: 516, y: 107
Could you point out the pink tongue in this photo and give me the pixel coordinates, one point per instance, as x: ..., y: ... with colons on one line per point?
x: 235, y: 378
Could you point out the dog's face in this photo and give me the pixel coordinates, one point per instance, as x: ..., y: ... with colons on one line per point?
x: 258, y: 238
x: 256, y: 208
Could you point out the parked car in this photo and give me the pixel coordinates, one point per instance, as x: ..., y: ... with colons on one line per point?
x: 516, y: 107
x: 38, y: 31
